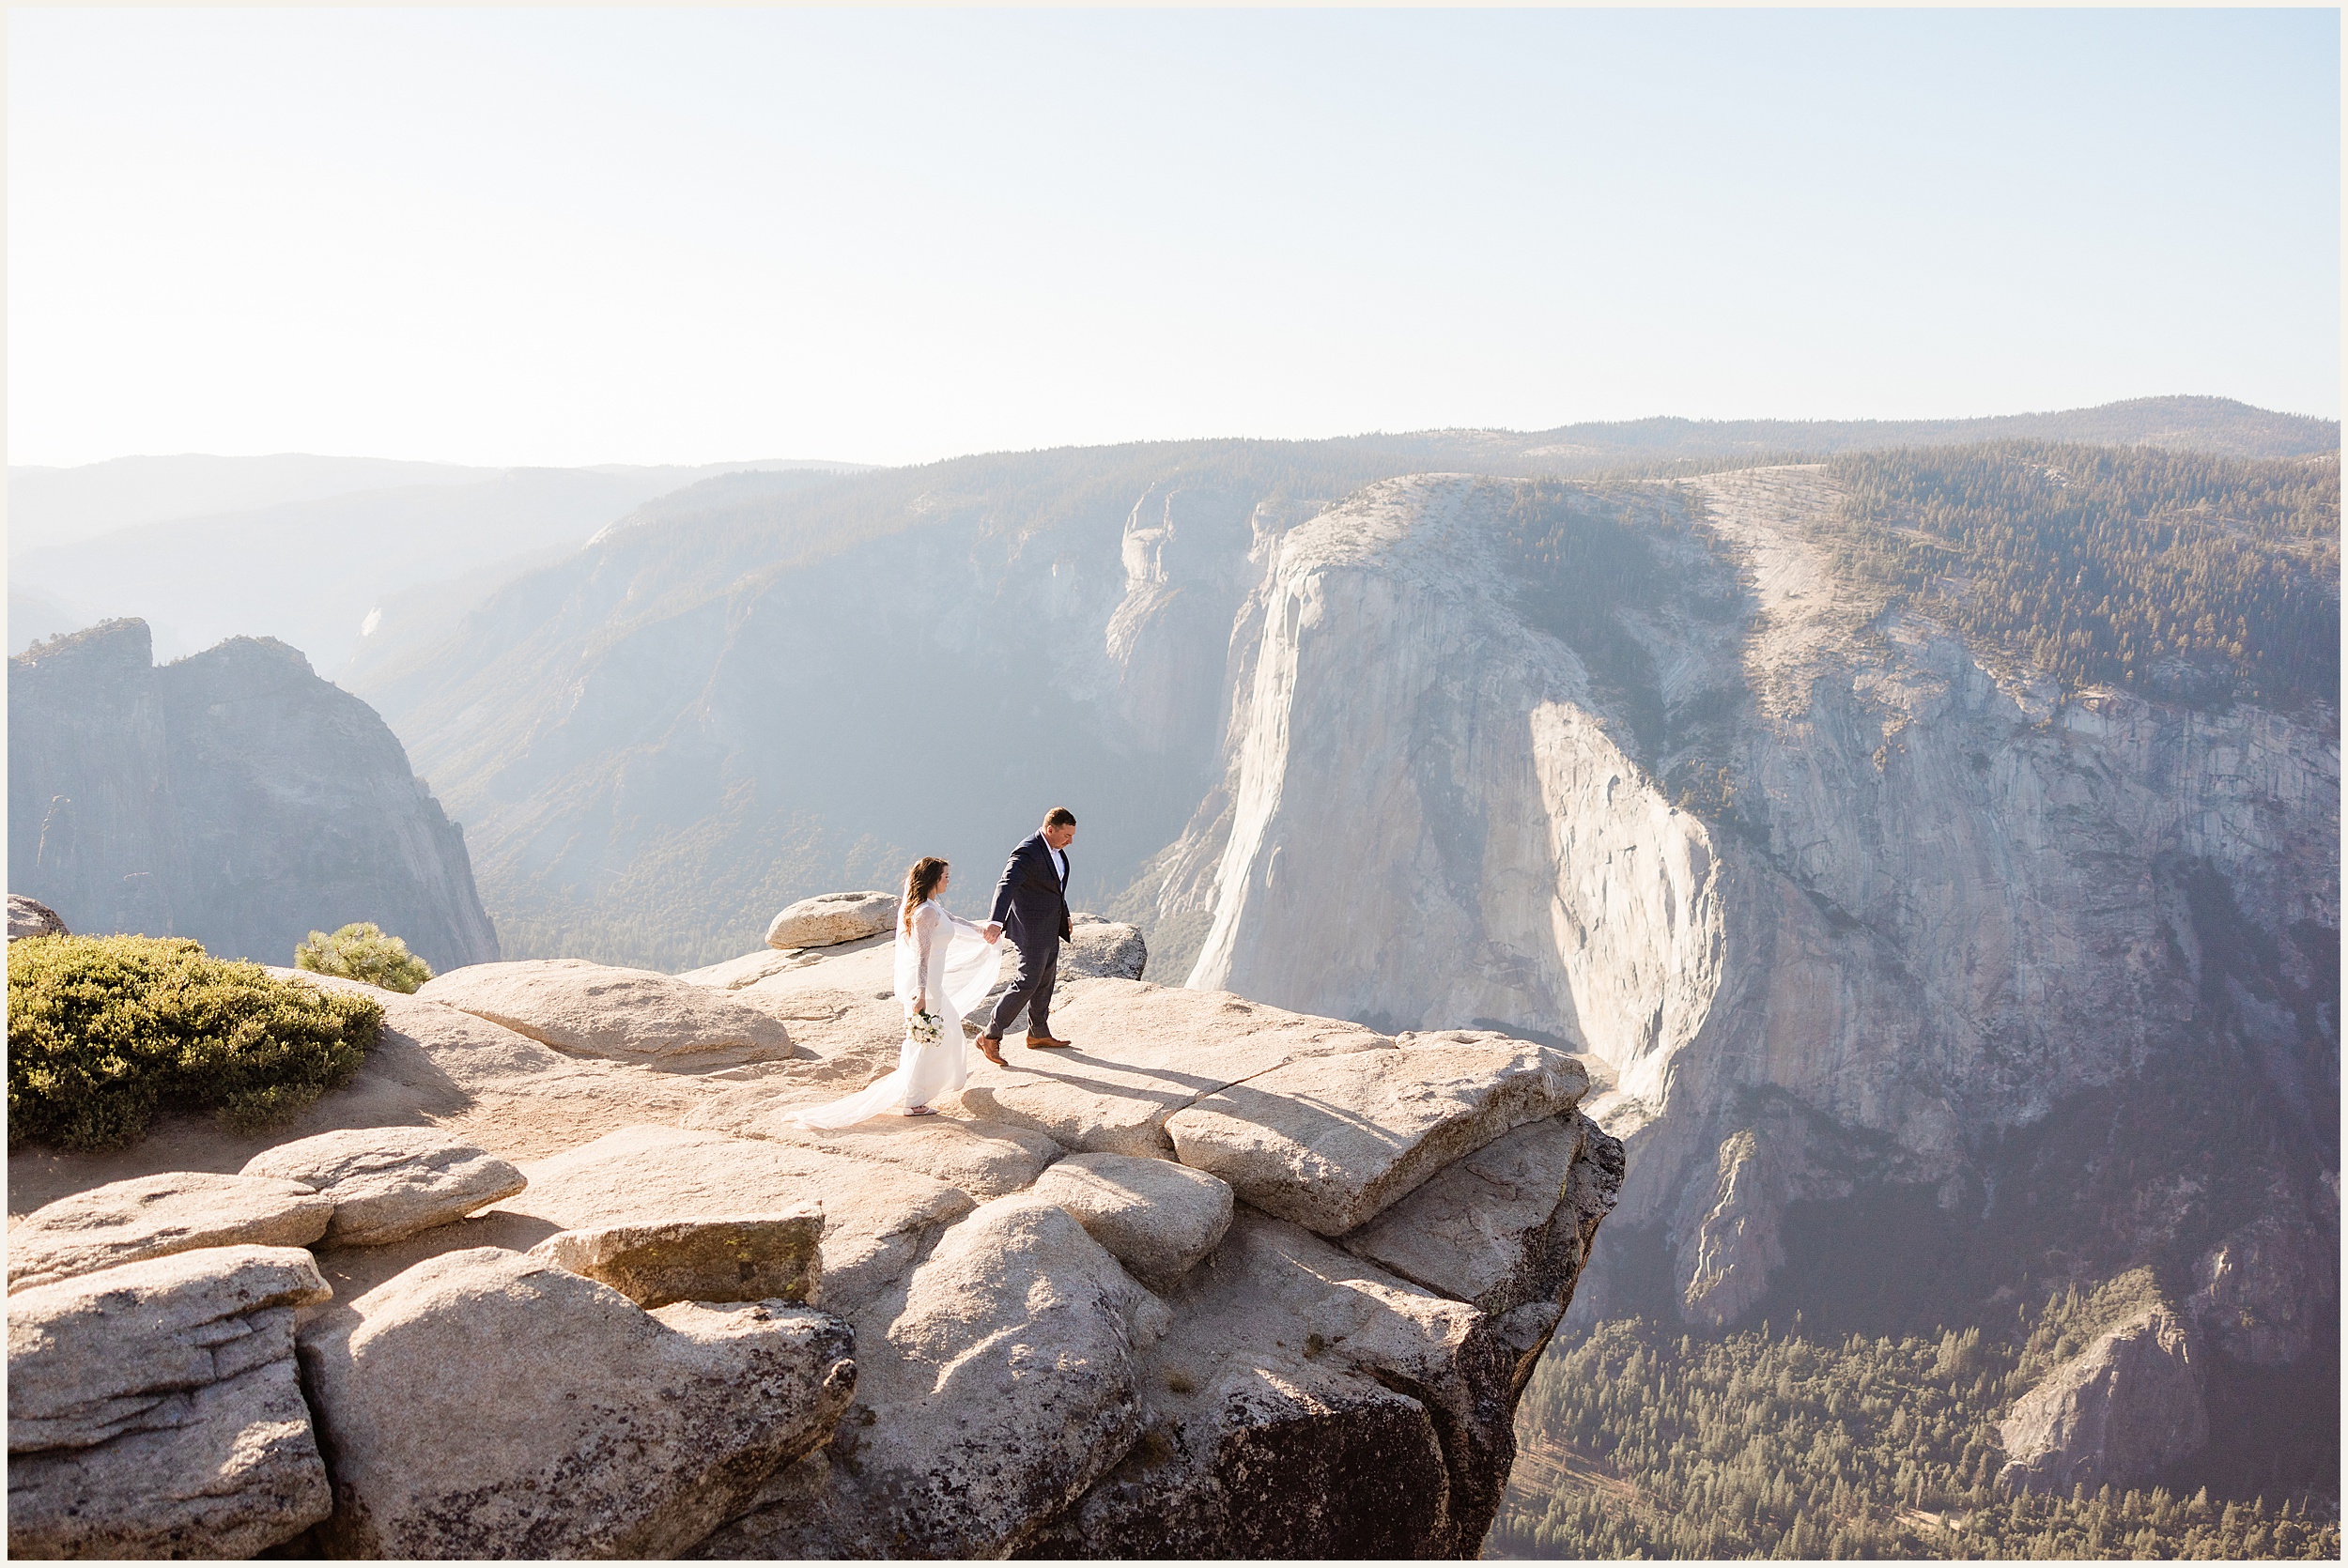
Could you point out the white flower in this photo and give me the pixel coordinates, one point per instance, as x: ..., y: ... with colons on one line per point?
x: 924, y: 1028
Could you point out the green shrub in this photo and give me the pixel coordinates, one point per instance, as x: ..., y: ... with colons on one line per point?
x: 105, y: 1030
x: 363, y: 952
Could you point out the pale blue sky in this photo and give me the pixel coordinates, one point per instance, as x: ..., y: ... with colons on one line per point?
x: 687, y: 236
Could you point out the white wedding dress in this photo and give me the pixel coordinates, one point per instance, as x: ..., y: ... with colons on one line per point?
x: 960, y: 966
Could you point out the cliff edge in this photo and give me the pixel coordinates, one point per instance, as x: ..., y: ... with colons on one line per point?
x: 1220, y: 1280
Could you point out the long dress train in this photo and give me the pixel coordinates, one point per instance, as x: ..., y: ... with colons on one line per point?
x: 960, y: 966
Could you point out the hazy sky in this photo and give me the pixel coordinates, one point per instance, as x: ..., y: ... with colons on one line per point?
x: 686, y: 236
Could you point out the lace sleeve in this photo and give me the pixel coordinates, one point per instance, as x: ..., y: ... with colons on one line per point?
x: 926, y: 925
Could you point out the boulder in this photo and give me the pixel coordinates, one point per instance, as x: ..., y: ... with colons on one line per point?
x: 150, y: 1217
x: 485, y: 1404
x: 878, y: 1219
x: 1156, y: 1217
x: 993, y: 1386
x: 1330, y: 1142
x: 758, y: 1257
x: 154, y: 1410
x: 626, y: 1015
x: 1508, y: 1229
x: 1305, y: 1404
x: 984, y: 1159
x: 31, y: 918
x: 1141, y: 1053
x: 1486, y: 1230
x: 2119, y: 1412
x: 830, y: 918
x: 387, y: 1183
x: 1099, y: 948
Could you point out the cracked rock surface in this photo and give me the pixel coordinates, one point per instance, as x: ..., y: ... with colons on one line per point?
x: 1074, y: 1314
x: 154, y: 1410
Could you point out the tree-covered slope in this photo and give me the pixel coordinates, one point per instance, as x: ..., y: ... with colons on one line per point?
x: 1641, y: 1441
x: 2167, y: 572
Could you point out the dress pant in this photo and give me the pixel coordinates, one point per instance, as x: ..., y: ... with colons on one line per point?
x: 1030, y: 989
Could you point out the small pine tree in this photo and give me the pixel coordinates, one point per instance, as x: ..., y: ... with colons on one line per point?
x: 361, y: 951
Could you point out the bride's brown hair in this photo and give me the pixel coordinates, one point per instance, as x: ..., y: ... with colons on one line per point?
x: 922, y: 879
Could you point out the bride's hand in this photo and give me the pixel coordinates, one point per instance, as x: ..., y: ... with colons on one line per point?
x: 922, y: 1004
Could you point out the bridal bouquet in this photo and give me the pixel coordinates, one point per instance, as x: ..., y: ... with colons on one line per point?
x: 924, y: 1028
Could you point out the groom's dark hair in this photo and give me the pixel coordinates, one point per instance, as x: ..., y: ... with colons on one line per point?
x: 1060, y: 816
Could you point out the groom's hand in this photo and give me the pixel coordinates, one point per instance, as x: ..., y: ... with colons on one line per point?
x: 993, y: 931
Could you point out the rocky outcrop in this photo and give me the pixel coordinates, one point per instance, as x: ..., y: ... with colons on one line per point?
x: 389, y: 1183
x: 2115, y: 1414
x: 1501, y: 1228
x: 487, y: 1404
x: 1293, y: 1384
x: 625, y: 1015
x: 151, y: 1217
x: 1098, y: 949
x: 154, y: 1410
x: 830, y: 918
x: 964, y: 1335
x: 997, y: 1384
x: 1332, y: 1142
x: 31, y: 918
x: 232, y: 796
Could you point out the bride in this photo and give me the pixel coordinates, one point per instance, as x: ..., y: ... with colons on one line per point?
x: 944, y: 966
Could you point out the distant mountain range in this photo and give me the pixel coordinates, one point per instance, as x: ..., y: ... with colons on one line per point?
x: 297, y: 548
x: 2218, y: 425
x: 306, y: 548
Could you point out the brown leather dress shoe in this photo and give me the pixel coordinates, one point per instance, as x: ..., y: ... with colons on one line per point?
x: 1046, y: 1042
x: 990, y: 1047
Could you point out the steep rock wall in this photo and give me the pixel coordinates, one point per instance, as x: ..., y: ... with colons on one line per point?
x: 1941, y: 904
x: 232, y: 796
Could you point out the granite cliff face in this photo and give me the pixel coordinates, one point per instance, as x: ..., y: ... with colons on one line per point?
x: 1944, y: 903
x: 232, y: 796
x: 2062, y: 972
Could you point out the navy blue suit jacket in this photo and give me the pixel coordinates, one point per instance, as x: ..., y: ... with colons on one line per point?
x: 1032, y: 901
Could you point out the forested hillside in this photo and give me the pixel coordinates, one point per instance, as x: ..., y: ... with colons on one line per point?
x: 1644, y: 1442
x: 2176, y: 574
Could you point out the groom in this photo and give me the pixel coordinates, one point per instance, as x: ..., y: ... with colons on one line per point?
x: 1031, y: 903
